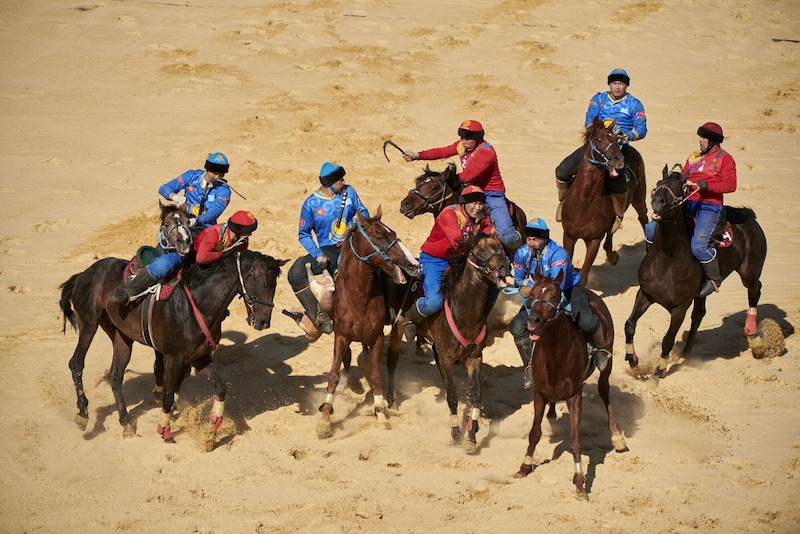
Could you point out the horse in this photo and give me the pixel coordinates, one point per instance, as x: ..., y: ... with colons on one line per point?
x: 587, y: 212
x: 561, y: 364
x: 184, y: 329
x: 174, y: 233
x: 670, y: 275
x: 359, y: 306
x: 433, y: 191
x: 458, y: 332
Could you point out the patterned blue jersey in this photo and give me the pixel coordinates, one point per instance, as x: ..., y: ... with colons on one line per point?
x: 551, y: 261
x: 627, y: 111
x: 206, y: 204
x: 328, y: 219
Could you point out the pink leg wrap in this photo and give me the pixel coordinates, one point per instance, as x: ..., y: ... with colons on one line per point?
x: 751, y: 323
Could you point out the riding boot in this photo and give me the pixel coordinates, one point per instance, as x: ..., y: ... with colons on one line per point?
x: 412, y: 316
x: 525, y: 348
x: 619, y: 200
x: 562, y: 188
x: 311, y: 306
x: 597, y: 340
x: 512, y: 246
x: 714, y: 278
x: 389, y: 289
x: 126, y: 292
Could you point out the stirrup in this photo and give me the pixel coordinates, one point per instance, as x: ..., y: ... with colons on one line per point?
x: 600, y: 357
x: 709, y: 287
x: 527, y: 380
x: 617, y: 223
x: 324, y: 323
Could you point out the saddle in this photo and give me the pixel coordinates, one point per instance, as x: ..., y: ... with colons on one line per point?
x: 144, y: 256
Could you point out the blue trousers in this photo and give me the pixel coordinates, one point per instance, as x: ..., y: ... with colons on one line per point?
x: 498, y: 213
x: 432, y: 271
x: 708, y: 217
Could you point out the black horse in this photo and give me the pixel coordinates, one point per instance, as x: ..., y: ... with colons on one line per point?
x: 184, y: 329
x: 670, y: 275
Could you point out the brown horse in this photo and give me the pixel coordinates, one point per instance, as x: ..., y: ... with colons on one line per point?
x: 458, y: 332
x: 670, y: 275
x: 359, y: 306
x: 184, y: 329
x: 588, y: 212
x: 561, y: 364
x: 433, y: 191
x: 174, y: 233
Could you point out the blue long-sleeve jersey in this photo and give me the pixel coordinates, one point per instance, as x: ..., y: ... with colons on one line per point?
x: 319, y: 215
x: 217, y: 196
x: 628, y: 111
x: 552, y: 259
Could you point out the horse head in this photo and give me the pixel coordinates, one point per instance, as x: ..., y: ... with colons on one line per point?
x: 378, y: 245
x: 259, y: 277
x: 546, y: 302
x: 174, y: 233
x: 432, y: 191
x: 669, y: 194
x: 488, y: 257
x: 601, y: 147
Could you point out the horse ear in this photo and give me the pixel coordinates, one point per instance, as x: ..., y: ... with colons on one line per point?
x: 560, y: 277
x: 378, y: 213
x: 537, y: 273
x: 665, y: 172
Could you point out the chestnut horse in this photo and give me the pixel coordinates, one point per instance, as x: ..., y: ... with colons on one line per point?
x: 184, y: 329
x: 458, y: 332
x: 561, y: 364
x: 174, y: 233
x: 359, y: 306
x: 670, y: 275
x: 587, y: 212
x: 433, y: 191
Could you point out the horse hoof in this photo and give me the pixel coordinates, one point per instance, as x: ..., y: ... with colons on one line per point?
x: 470, y: 447
x: 660, y: 373
x: 81, y: 421
x: 613, y: 258
x: 324, y: 430
x: 128, y: 432
x: 632, y: 360
x: 524, y: 470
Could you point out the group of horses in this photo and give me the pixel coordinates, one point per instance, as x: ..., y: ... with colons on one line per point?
x: 184, y: 328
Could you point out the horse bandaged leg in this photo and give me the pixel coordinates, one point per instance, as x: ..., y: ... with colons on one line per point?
x: 215, y: 419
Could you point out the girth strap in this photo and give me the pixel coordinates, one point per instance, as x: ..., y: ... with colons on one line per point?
x: 470, y: 346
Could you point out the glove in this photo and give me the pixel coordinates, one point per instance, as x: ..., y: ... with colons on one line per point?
x: 623, y: 138
x: 192, y: 221
x: 703, y: 185
x: 322, y: 262
x: 525, y: 291
x: 410, y: 155
x: 179, y: 200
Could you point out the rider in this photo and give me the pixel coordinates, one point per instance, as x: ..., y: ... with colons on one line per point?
x: 551, y: 258
x: 206, y: 191
x: 713, y: 172
x: 328, y: 213
x: 452, y: 227
x: 208, y: 247
x: 631, y: 125
x: 480, y: 168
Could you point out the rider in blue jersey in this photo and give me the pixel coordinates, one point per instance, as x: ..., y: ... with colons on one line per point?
x: 631, y: 125
x: 324, y: 218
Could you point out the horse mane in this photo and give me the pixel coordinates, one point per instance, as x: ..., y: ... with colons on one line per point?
x: 739, y: 215
x: 198, y: 273
x: 458, y: 262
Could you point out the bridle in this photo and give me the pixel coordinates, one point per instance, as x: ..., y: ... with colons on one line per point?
x: 163, y: 235
x: 559, y: 308
x: 249, y: 300
x: 675, y: 201
x: 484, y: 268
x: 600, y: 153
x: 429, y: 202
x: 375, y: 248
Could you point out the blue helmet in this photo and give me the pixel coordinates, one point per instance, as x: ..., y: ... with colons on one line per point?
x: 217, y: 162
x: 619, y: 75
x: 330, y: 173
x: 537, y: 228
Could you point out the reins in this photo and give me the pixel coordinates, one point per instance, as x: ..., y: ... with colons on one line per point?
x: 375, y: 248
x: 602, y: 154
x: 442, y: 197
x: 163, y: 237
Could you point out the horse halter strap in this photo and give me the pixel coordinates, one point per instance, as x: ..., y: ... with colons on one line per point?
x: 248, y: 299
x: 428, y: 201
x: 601, y: 153
x: 483, y: 268
x: 375, y: 248
x: 559, y: 308
x: 163, y: 237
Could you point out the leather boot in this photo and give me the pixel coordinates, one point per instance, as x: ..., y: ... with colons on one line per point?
x: 619, y: 200
x: 412, y: 316
x: 512, y: 246
x: 126, y: 292
x: 525, y: 348
x: 714, y: 278
x: 562, y: 188
x: 597, y: 340
x: 311, y: 306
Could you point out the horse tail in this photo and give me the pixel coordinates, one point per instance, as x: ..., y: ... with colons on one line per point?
x: 739, y: 215
x: 66, y: 304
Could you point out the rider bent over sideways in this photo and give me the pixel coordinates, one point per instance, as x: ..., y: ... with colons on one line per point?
x: 628, y: 112
x: 480, y: 168
x: 551, y: 258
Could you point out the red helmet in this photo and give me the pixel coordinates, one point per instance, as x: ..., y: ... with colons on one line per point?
x: 472, y: 193
x: 471, y: 130
x: 711, y: 131
x: 242, y: 222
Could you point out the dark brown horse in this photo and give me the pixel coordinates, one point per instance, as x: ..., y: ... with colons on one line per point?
x: 174, y: 233
x: 433, y: 191
x: 359, y: 306
x: 588, y: 212
x: 561, y: 365
x: 670, y: 275
x: 184, y: 329
x: 459, y: 331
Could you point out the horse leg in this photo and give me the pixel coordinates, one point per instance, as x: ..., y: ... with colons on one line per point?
x: 474, y: 373
x: 591, y: 253
x: 211, y: 372
x: 539, y: 404
x: 608, y: 246
x: 603, y: 389
x: 392, y: 356
x: 676, y: 319
x: 340, y: 347
x: 753, y: 285
x: 120, y: 360
x: 158, y: 372
x: 376, y: 379
x: 76, y: 365
x: 575, y: 403
x: 639, y: 307
x: 446, y: 370
x: 173, y: 376
x: 698, y: 312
